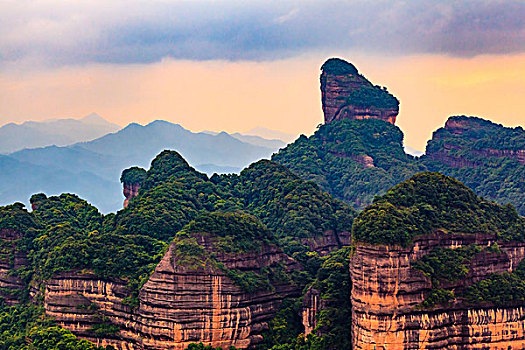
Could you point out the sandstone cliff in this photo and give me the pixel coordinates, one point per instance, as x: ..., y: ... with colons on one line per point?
x: 183, y: 301
x: 471, y: 141
x: 387, y: 293
x: 130, y: 190
x: 346, y: 94
x: 11, y: 259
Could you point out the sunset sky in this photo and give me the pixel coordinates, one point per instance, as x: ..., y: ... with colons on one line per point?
x: 232, y: 65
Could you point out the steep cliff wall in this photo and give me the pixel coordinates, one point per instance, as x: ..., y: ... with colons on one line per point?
x: 339, y: 81
x: 464, y: 138
x: 130, y: 190
x: 11, y: 259
x: 387, y: 293
x: 178, y: 305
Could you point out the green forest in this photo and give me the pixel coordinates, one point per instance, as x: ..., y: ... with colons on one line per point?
x: 315, y: 185
x: 265, y: 204
x: 332, y: 158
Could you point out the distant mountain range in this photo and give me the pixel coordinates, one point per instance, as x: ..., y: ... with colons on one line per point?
x: 255, y: 140
x: 59, y: 132
x: 271, y: 134
x: 92, y: 169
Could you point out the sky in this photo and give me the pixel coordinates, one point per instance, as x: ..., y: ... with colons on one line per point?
x: 235, y: 65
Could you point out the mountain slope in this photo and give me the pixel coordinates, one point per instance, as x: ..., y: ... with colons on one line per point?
x: 354, y: 160
x: 198, y: 148
x: 190, y: 256
x: 487, y: 157
x: 19, y: 180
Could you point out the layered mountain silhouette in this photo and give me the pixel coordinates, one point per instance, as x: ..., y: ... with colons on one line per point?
x: 92, y: 169
x: 59, y: 132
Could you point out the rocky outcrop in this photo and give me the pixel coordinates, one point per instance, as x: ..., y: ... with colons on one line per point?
x: 311, y: 307
x: 130, y: 190
x: 466, y: 138
x: 339, y: 79
x: 11, y: 259
x: 178, y: 305
x: 387, y: 293
x: 328, y: 242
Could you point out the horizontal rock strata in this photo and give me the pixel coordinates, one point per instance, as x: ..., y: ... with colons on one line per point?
x: 178, y: 305
x: 335, y: 89
x: 387, y: 292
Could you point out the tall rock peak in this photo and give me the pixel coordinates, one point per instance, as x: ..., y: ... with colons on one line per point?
x: 346, y: 94
x: 132, y: 180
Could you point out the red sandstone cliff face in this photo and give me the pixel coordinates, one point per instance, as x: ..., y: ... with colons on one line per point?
x: 386, y: 292
x: 328, y: 242
x: 335, y: 89
x: 10, y: 259
x: 130, y: 190
x: 458, y: 126
x: 178, y: 305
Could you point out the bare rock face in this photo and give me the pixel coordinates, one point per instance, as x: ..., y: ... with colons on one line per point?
x: 328, y: 242
x: 178, y: 305
x: 11, y: 259
x: 130, y: 190
x: 387, y: 293
x: 340, y: 81
x: 311, y: 307
x: 464, y: 138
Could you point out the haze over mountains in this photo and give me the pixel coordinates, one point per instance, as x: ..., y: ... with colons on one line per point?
x: 92, y: 169
x: 59, y: 132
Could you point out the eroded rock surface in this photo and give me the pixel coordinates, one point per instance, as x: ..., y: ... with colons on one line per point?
x: 339, y: 79
x: 387, y: 293
x: 178, y: 305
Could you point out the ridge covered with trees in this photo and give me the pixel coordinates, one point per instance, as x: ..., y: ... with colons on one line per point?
x: 431, y: 201
x: 356, y: 160
x: 265, y: 204
x: 335, y: 158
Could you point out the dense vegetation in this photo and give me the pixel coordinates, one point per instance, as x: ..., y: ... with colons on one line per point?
x: 338, y: 66
x: 445, y: 265
x: 497, y: 178
x: 504, y: 290
x: 25, y: 328
x: 332, y: 281
x: 431, y: 201
x: 372, y: 96
x: 265, y: 204
x: 332, y: 158
x: 133, y: 175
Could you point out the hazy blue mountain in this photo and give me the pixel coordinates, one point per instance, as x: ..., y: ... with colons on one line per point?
x: 92, y: 169
x: 60, y: 132
x: 255, y: 140
x: 413, y: 151
x: 19, y: 180
x: 210, y: 169
x: 271, y: 134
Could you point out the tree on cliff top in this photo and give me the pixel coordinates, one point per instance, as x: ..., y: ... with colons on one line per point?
x: 338, y: 66
x: 430, y: 201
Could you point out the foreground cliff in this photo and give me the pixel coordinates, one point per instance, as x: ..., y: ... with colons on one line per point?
x: 412, y: 290
x: 190, y: 259
x: 201, y: 291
